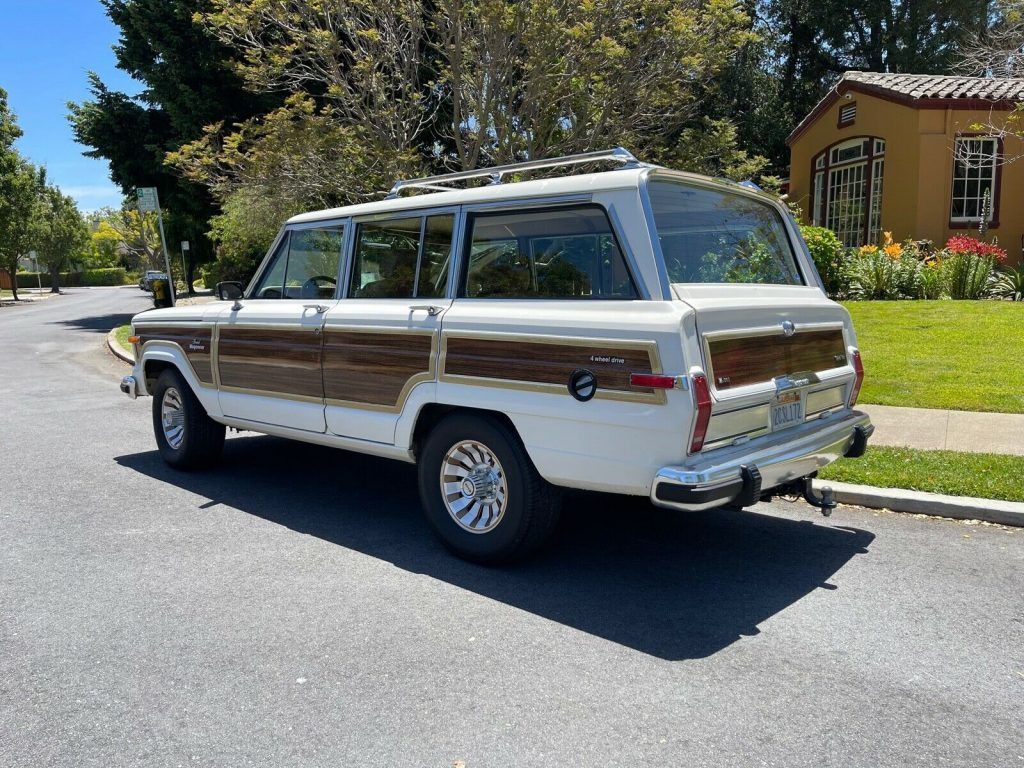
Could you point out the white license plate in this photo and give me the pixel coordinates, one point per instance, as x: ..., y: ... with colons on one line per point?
x: 788, y: 411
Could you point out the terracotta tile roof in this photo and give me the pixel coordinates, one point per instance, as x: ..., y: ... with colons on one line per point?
x: 940, y: 86
x: 921, y: 91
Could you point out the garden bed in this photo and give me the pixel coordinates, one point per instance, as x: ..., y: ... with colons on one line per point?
x: 962, y: 355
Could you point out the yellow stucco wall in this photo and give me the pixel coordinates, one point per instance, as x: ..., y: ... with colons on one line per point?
x: 918, y: 176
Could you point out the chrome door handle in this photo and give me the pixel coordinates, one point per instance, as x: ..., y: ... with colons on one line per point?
x: 318, y: 308
x: 430, y: 309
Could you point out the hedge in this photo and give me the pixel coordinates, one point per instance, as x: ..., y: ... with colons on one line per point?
x: 109, y: 276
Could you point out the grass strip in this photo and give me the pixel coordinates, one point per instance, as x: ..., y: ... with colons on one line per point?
x: 963, y: 355
x: 984, y: 475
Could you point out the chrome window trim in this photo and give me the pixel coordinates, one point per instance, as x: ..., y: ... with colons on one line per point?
x: 652, y: 233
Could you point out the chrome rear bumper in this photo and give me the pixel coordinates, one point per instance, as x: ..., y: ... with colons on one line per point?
x: 734, y: 476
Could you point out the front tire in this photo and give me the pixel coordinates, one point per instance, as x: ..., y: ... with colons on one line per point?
x: 186, y: 437
x: 481, y: 493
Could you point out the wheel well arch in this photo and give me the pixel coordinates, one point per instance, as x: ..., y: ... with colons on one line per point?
x: 152, y: 370
x: 431, y: 414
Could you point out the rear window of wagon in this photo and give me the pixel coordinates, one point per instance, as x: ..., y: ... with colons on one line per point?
x: 712, y: 236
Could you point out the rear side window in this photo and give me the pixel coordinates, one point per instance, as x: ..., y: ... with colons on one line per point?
x: 711, y: 236
x: 402, y: 258
x: 563, y: 253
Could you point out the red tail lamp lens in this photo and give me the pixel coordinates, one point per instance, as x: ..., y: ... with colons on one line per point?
x: 702, y: 399
x: 652, y: 380
x: 858, y: 369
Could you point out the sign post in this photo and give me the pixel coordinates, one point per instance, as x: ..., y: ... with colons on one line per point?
x: 149, y: 201
x: 184, y: 269
x: 35, y: 265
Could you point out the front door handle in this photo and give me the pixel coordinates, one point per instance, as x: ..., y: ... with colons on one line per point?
x: 430, y: 309
x: 318, y: 308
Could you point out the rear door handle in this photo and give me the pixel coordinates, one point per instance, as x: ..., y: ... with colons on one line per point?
x: 430, y: 309
x: 318, y: 308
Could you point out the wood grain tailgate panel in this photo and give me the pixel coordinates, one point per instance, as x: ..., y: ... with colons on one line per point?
x: 545, y: 363
x: 373, y: 368
x: 270, y: 360
x: 754, y: 359
x: 195, y: 342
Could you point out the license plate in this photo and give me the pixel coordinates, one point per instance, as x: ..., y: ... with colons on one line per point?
x: 787, y: 411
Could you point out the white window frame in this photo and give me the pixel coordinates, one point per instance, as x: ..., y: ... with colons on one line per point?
x: 992, y: 177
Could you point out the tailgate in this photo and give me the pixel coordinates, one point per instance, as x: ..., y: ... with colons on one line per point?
x: 776, y: 357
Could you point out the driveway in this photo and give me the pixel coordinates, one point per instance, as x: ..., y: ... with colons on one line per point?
x: 292, y: 608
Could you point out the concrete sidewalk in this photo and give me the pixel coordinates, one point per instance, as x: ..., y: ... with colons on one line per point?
x: 934, y: 429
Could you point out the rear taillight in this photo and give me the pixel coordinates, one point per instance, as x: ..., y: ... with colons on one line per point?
x: 702, y: 401
x: 858, y: 369
x: 652, y: 380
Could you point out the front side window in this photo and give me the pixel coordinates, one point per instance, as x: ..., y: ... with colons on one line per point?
x: 561, y: 253
x: 712, y: 236
x: 402, y: 258
x: 974, y: 179
x: 304, y: 266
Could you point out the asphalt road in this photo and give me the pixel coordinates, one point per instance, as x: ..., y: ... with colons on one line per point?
x: 292, y: 608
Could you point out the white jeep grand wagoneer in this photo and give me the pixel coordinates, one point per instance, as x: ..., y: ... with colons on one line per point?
x: 637, y: 331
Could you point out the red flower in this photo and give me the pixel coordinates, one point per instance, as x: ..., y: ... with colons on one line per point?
x: 971, y: 245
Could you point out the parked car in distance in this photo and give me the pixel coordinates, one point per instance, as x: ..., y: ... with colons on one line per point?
x: 636, y: 331
x: 146, y: 281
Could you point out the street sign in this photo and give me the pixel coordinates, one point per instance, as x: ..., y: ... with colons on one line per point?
x: 184, y: 245
x: 147, y: 199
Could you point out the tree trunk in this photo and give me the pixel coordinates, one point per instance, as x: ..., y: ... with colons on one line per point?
x: 54, y: 280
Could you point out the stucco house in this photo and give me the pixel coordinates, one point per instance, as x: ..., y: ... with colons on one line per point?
x: 918, y: 155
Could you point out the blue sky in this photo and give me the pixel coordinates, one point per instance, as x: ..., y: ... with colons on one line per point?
x: 46, y: 49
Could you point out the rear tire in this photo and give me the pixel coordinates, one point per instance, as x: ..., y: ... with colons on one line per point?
x: 186, y: 437
x: 481, y: 493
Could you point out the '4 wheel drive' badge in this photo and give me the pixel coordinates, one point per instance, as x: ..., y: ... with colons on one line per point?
x: 582, y: 384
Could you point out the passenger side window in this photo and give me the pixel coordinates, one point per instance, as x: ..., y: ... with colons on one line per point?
x: 402, y: 258
x: 305, y: 265
x: 565, y: 253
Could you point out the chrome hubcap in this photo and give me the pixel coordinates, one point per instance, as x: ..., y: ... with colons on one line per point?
x: 473, y: 486
x: 172, y: 417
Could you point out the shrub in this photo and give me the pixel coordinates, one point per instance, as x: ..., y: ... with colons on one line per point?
x: 969, y: 265
x: 829, y: 257
x: 90, y: 277
x: 887, y: 271
x: 1008, y: 283
x: 107, y: 276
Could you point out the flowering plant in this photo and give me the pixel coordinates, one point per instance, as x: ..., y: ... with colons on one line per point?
x: 974, y: 247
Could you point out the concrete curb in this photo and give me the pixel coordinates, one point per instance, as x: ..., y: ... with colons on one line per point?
x: 922, y: 503
x: 117, y: 350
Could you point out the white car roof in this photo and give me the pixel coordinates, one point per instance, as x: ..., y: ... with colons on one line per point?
x: 590, y: 183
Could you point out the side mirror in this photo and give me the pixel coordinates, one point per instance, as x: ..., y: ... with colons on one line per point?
x: 229, y: 290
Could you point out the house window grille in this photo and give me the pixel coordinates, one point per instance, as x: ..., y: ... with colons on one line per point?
x: 975, y: 161
x: 847, y: 190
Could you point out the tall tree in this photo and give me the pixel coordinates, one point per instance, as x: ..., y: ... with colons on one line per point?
x: 58, y: 232
x: 20, y: 183
x: 187, y: 85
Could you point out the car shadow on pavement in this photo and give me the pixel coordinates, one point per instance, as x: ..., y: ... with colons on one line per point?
x: 671, y: 584
x: 98, y: 323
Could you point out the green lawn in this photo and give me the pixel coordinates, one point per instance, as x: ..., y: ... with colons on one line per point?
x: 122, y: 332
x: 964, y: 355
x: 984, y: 475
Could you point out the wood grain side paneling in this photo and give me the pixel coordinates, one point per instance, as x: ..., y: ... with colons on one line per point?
x: 276, y: 361
x: 375, y: 368
x: 755, y: 359
x: 195, y: 341
x: 546, y: 362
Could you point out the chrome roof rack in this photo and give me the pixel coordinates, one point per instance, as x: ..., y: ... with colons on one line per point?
x: 497, y: 173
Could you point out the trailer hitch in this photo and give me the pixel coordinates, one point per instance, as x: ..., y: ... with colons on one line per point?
x: 826, y: 502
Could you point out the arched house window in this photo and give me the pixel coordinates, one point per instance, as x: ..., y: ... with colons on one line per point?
x: 846, y: 189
